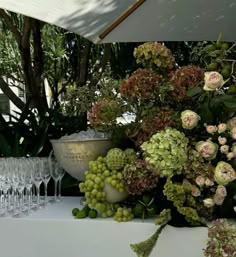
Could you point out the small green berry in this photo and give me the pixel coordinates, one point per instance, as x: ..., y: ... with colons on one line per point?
x: 86, y: 209
x: 81, y: 214
x: 92, y: 214
x: 75, y: 211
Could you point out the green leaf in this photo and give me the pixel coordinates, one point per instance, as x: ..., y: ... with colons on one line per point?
x: 194, y: 91
x: 206, y: 114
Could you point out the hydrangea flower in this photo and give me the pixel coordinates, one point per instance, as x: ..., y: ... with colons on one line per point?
x: 183, y: 79
x: 166, y: 151
x: 154, y: 55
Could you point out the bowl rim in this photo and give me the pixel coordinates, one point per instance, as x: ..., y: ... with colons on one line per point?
x: 79, y: 140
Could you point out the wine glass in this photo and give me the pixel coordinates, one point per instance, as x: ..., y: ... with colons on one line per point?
x: 37, y: 178
x: 55, y: 172
x: 46, y: 176
x: 28, y: 182
x: 61, y: 172
x: 5, y: 185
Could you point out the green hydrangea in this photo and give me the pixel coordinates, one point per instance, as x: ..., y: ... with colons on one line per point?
x: 166, y: 151
x: 155, y: 55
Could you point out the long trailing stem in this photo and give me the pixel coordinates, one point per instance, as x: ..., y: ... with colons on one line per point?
x: 144, y: 248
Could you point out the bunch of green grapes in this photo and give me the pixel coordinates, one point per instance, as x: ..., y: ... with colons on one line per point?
x: 116, y: 181
x: 96, y: 178
x: 123, y: 214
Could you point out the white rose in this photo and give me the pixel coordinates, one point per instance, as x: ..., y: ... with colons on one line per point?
x: 211, y: 129
x: 189, y: 119
x: 233, y: 133
x: 224, y: 149
x: 208, y: 182
x: 208, y: 202
x: 230, y: 155
x: 196, y: 192
x: 222, y: 140
x: 213, y: 81
x: 218, y: 200
x: 200, y: 181
x: 233, y: 148
x: 231, y: 123
x: 222, y: 127
x: 207, y: 149
x: 221, y: 191
x: 224, y: 173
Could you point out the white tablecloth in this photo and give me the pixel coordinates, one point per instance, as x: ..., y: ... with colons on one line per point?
x: 53, y: 232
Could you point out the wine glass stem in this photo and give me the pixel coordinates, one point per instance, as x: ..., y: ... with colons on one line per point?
x: 45, y: 192
x: 55, y: 190
x: 38, y: 196
x: 59, y: 190
x: 29, y: 198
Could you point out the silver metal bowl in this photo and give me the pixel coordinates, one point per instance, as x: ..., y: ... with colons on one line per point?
x: 74, y: 155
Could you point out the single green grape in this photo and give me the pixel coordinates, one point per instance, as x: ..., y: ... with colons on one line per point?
x: 81, y: 214
x: 93, y: 214
x: 75, y: 211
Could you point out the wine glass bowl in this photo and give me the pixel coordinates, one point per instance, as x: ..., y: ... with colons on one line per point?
x: 74, y: 155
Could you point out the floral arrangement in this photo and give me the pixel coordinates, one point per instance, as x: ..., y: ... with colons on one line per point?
x: 182, y: 166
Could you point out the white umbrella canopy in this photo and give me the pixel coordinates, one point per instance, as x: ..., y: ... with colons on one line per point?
x: 105, y: 21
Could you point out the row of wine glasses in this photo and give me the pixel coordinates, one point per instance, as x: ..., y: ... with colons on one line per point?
x: 20, y: 181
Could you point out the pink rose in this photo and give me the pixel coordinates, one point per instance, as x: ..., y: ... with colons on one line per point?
x: 230, y: 155
x: 222, y: 127
x: 218, y: 200
x: 213, y: 81
x: 231, y: 123
x: 208, y: 202
x: 221, y: 191
x: 196, y: 192
x: 200, y: 181
x: 211, y: 129
x: 233, y: 133
x: 208, y: 182
x: 224, y: 149
x: 207, y: 149
x: 222, y: 140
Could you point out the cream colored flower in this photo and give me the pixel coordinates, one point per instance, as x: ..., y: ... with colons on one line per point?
x: 196, y: 192
x: 208, y: 182
x: 224, y: 173
x: 231, y: 123
x: 218, y: 200
x: 211, y: 129
x: 233, y: 133
x: 189, y: 119
x: 222, y: 140
x: 221, y: 191
x: 213, y: 81
x: 224, y: 149
x: 222, y: 127
x: 208, y: 202
x: 230, y: 155
x: 200, y: 181
x: 233, y: 148
x: 207, y: 149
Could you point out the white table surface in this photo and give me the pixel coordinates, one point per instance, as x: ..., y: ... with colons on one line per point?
x: 53, y: 232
